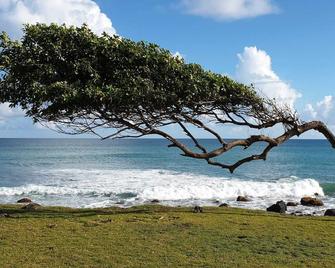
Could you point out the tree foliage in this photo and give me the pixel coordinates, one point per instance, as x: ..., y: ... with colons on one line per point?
x: 83, y: 82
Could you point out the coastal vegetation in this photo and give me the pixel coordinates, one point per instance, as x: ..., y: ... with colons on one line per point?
x: 157, y: 236
x: 78, y: 82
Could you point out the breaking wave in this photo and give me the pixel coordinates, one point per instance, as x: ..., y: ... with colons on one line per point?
x: 92, y: 188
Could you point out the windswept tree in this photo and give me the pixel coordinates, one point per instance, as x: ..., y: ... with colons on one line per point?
x: 83, y: 83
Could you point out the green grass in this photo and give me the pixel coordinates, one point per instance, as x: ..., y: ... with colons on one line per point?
x: 156, y: 236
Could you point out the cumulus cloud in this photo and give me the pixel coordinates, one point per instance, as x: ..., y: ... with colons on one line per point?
x: 7, y: 112
x: 229, y: 9
x: 309, y: 109
x: 14, y: 13
x: 255, y: 68
x: 321, y: 109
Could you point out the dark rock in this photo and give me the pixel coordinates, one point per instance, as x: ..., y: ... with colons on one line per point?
x: 223, y: 205
x: 330, y: 212
x: 24, y: 200
x: 279, y: 207
x: 216, y: 201
x: 155, y: 201
x: 243, y: 199
x: 197, y: 209
x: 316, y: 194
x: 292, y: 204
x: 311, y: 201
x: 31, y: 206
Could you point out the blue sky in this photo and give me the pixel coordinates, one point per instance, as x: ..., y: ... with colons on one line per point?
x: 288, y: 44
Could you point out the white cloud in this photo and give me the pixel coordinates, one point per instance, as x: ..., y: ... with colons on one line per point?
x: 255, y: 68
x: 229, y: 9
x: 321, y: 109
x: 14, y: 13
x: 7, y: 112
x: 309, y: 109
x: 326, y: 105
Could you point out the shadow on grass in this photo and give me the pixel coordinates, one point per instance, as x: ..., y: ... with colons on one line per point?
x: 16, y: 211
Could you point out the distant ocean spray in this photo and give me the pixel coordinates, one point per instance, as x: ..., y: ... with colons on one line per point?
x: 94, y: 173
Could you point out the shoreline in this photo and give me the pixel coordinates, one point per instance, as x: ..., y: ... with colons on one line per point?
x: 312, y: 206
x: 35, y: 209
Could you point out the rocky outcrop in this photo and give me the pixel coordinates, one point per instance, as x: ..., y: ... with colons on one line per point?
x: 223, y: 205
x: 330, y: 212
x: 24, y: 200
x: 279, y: 207
x: 241, y: 198
x: 31, y: 206
x: 311, y: 201
x: 154, y: 201
x: 292, y: 204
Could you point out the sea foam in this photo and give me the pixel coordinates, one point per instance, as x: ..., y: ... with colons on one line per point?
x: 91, y: 188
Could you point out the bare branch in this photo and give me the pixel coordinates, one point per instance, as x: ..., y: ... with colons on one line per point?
x: 188, y: 133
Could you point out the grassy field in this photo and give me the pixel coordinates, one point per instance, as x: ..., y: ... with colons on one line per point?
x: 155, y: 236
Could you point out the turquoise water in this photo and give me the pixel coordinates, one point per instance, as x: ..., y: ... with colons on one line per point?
x: 89, y: 173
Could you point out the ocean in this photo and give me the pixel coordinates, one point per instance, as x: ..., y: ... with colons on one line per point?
x: 93, y: 173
